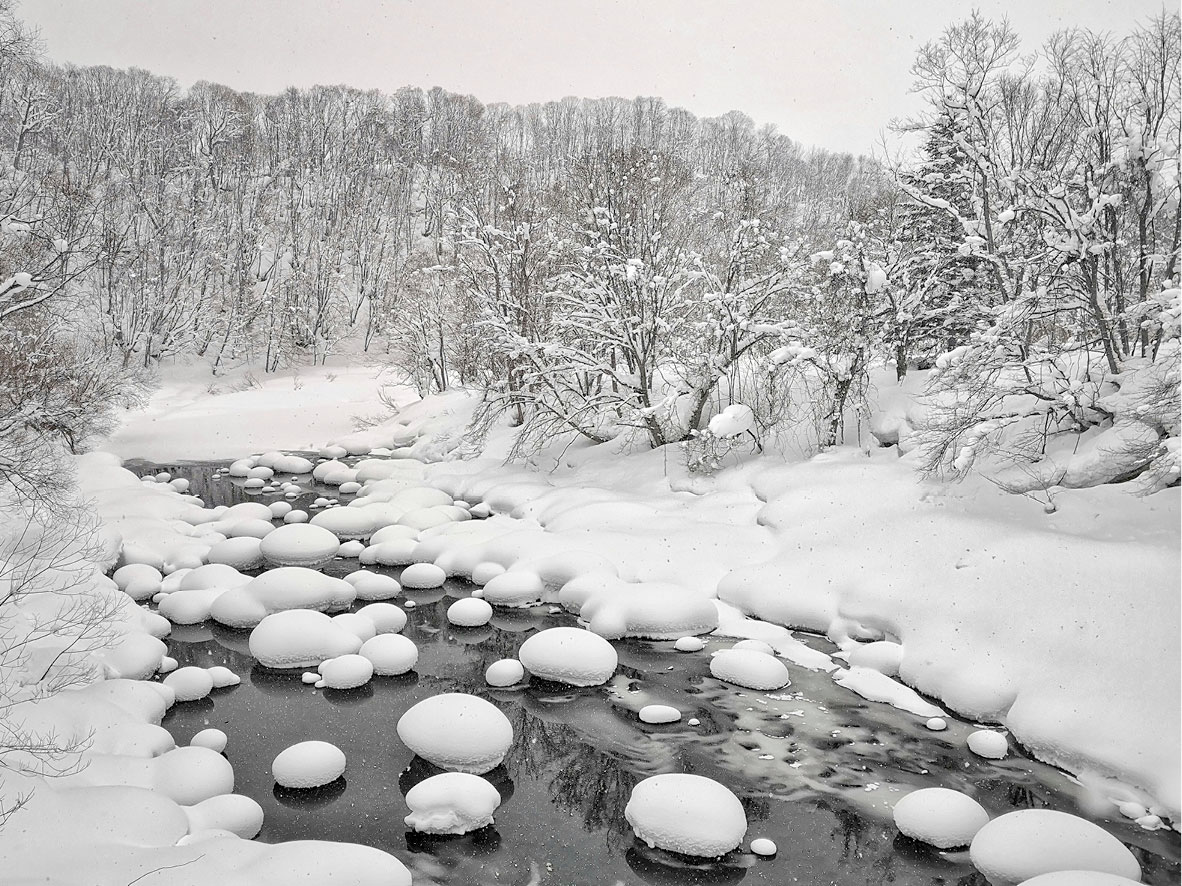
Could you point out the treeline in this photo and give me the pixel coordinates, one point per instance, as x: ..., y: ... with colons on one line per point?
x: 602, y: 266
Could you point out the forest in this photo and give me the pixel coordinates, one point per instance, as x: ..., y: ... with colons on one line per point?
x: 609, y: 266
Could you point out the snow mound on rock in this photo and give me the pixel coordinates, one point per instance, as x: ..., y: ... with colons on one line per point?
x: 505, y: 672
x: 940, y: 817
x: 469, y: 613
x: 1023, y: 844
x: 390, y: 654
x: 386, y: 617
x: 309, y: 764
x: 988, y: 744
x: 346, y: 671
x: 511, y: 589
x: 189, y: 683
x: 690, y: 814
x: 241, y: 553
x: 451, y: 803
x: 300, y: 544
x: 750, y: 668
x: 651, y: 610
x: 569, y: 655
x: 659, y: 713
x: 346, y: 523
x: 373, y: 585
x: 288, y: 587
x: 457, y: 731
x: 422, y: 576
x: 299, y: 638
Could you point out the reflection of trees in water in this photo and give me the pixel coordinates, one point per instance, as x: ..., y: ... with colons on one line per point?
x: 209, y: 654
x: 849, y: 828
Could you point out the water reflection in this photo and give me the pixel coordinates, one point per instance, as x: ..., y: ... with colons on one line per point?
x: 665, y: 869
x: 311, y: 798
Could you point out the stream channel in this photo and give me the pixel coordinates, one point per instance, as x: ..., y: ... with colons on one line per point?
x: 817, y: 767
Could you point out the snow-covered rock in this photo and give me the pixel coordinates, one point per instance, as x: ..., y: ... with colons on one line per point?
x: 299, y: 638
x: 749, y: 668
x: 346, y: 523
x: 1020, y: 845
x: 390, y: 654
x: 451, y: 803
x: 189, y: 683
x: 288, y: 587
x: 690, y: 814
x: 504, y: 672
x: 308, y: 764
x: 989, y: 744
x: 940, y: 817
x: 373, y: 585
x: 689, y: 644
x: 457, y: 731
x: 656, y: 611
x: 241, y: 553
x: 569, y: 655
x: 346, y: 671
x: 214, y: 739
x: 511, y: 589
x: 763, y: 846
x: 386, y: 617
x: 300, y: 544
x: 422, y: 576
x: 357, y: 624
x: 659, y: 713
x: 469, y: 612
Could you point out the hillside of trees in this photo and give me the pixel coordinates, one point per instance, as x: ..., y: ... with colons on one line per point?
x: 617, y: 266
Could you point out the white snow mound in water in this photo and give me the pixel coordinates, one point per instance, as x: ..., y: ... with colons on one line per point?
x: 300, y: 544
x: 356, y: 623
x: 659, y: 713
x: 346, y: 671
x: 373, y: 585
x: 423, y: 575
x: 288, y: 587
x: 1079, y: 878
x: 386, y: 617
x: 940, y: 817
x: 241, y: 553
x: 989, y: 744
x: 190, y: 683
x: 457, y: 731
x: 690, y: 814
x: 390, y: 654
x: 569, y: 655
x: 451, y: 803
x: 734, y: 420
x: 512, y: 589
x: 299, y: 638
x: 346, y: 523
x: 235, y: 813
x: 214, y: 739
x: 1023, y: 844
x: 469, y: 613
x: 650, y: 610
x: 749, y: 668
x: 309, y: 764
x: 506, y: 672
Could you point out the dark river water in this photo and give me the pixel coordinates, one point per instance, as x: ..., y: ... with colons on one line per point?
x: 816, y: 767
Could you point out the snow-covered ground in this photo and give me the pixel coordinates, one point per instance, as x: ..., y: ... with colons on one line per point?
x: 1061, y: 627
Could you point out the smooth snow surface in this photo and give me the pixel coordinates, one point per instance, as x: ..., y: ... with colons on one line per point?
x: 659, y: 713
x: 989, y: 744
x: 763, y: 846
x: 750, y: 668
x: 385, y: 617
x: 469, y: 613
x: 569, y: 655
x: 451, y: 803
x: 505, y: 672
x: 1023, y: 844
x: 940, y: 817
x: 690, y: 814
x: 346, y: 671
x: 308, y: 764
x: 390, y: 654
x: 299, y: 638
x: 300, y: 544
x: 423, y: 575
x: 457, y: 731
x: 214, y: 739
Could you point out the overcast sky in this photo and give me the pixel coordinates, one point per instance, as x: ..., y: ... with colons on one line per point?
x: 825, y: 72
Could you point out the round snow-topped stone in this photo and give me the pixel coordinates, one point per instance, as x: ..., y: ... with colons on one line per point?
x: 749, y: 668
x: 223, y: 677
x: 373, y: 585
x: 1020, y: 845
x: 295, y: 516
x: 569, y: 655
x: 513, y: 589
x: 309, y: 764
x: 351, y: 549
x: 300, y: 545
x: 457, y: 731
x: 279, y: 509
x: 346, y: 523
x: 940, y: 817
x: 214, y: 739
x: 357, y: 624
x: 763, y: 846
x: 189, y: 683
x: 241, y: 553
x: 689, y: 814
x: 689, y: 644
x: 469, y: 613
x: 386, y: 617
x: 451, y: 803
x: 936, y: 724
x: 250, y: 528
x: 346, y: 671
x: 506, y: 672
x: 423, y: 575
x: 1079, y: 878
x: 139, y: 580
x: 299, y: 638
x: 757, y: 645
x: 659, y: 713
x: 390, y: 654
x: 485, y: 572
x: 989, y: 744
